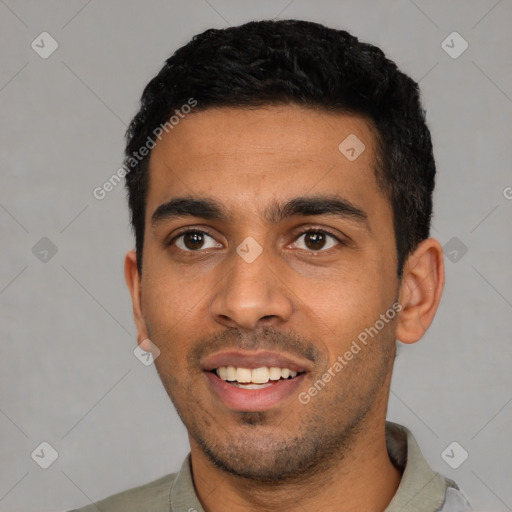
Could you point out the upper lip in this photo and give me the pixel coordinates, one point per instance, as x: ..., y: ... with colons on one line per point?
x: 254, y: 359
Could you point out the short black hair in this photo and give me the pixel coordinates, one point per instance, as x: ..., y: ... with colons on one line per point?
x: 307, y: 64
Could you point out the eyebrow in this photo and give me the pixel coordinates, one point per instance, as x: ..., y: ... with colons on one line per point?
x: 299, y: 206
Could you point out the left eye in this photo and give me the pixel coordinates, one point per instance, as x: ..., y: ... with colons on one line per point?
x: 316, y: 241
x: 194, y: 240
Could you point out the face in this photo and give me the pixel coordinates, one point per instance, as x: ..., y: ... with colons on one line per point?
x: 266, y: 248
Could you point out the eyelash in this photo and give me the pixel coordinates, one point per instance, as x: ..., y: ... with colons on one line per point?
x: 298, y: 235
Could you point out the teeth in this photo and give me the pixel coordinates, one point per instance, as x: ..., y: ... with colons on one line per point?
x: 275, y: 373
x: 256, y: 376
x: 243, y: 375
x: 260, y: 375
x: 250, y: 386
x: 230, y: 373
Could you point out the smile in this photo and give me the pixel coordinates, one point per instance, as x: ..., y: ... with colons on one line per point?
x: 257, y: 378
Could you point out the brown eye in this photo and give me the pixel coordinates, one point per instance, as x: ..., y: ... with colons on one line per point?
x: 316, y: 240
x: 195, y: 240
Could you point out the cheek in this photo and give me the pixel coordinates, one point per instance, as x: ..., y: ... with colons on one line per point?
x: 348, y: 302
x: 173, y: 308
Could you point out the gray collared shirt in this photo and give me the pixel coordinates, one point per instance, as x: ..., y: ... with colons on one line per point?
x: 421, y: 489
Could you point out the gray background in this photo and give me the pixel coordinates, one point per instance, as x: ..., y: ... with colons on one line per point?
x: 69, y: 375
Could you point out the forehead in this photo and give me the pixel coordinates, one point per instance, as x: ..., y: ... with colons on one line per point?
x: 243, y: 157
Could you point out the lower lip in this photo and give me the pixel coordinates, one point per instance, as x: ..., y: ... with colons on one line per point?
x: 250, y: 400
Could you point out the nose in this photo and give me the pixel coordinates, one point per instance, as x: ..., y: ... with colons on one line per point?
x: 252, y: 294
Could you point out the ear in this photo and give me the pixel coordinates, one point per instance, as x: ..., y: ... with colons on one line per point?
x: 133, y: 280
x: 421, y: 288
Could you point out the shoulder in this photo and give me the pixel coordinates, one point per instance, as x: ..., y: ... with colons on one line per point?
x: 151, y: 497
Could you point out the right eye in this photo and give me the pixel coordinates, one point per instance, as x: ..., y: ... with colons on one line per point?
x: 194, y: 240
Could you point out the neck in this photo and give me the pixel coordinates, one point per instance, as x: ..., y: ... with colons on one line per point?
x: 363, y: 478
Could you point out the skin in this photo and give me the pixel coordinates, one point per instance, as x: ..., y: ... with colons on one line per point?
x: 297, y: 298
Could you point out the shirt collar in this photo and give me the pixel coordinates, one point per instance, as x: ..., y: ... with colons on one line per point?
x: 420, y: 490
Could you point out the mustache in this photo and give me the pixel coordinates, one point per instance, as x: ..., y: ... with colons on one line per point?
x: 264, y: 338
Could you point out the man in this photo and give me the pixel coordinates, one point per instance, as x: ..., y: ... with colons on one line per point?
x: 280, y: 179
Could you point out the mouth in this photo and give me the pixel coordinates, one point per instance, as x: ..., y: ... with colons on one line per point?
x: 257, y: 381
x: 257, y: 378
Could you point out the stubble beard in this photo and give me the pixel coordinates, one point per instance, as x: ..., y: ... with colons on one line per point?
x: 263, y: 451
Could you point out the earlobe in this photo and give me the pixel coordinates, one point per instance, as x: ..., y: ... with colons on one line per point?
x: 133, y: 281
x: 420, y: 290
